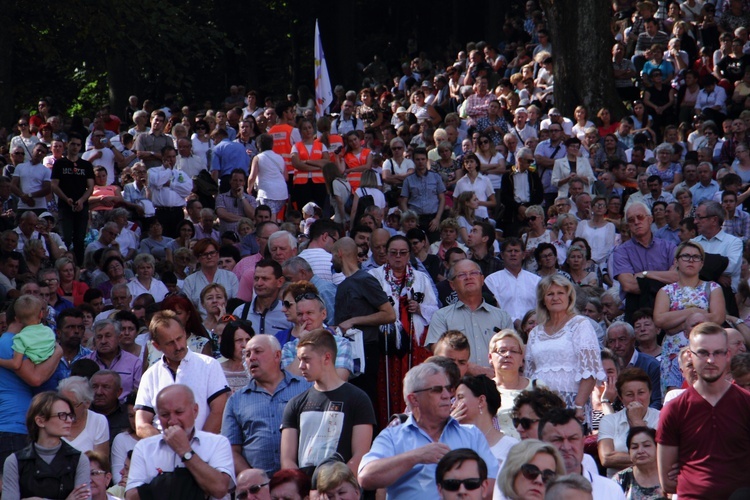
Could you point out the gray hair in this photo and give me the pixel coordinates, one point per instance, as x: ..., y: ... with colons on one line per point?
x: 413, y: 377
x: 140, y: 113
x: 636, y: 204
x: 62, y: 262
x: 48, y: 270
x: 713, y: 208
x: 112, y: 373
x: 568, y: 482
x: 281, y: 234
x: 118, y: 212
x: 397, y: 140
x: 297, y: 264
x: 563, y: 198
x: 452, y: 271
x: 622, y: 324
x: 79, y: 386
x: 103, y: 323
x: 208, y: 211
x: 614, y: 294
x: 144, y: 258
x: 525, y: 152
x: 664, y: 146
x: 120, y: 286
x: 562, y: 218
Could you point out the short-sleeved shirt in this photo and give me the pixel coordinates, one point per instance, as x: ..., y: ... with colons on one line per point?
x: 713, y: 441
x: 252, y: 418
x: 632, y: 257
x: 73, y: 176
x: 422, y: 191
x: 325, y: 422
x: 153, y: 455
x: 344, y: 359
x: 360, y: 295
x: 202, y: 374
x: 36, y: 342
x: 419, y: 482
x: 15, y: 394
x: 516, y: 294
x: 31, y: 179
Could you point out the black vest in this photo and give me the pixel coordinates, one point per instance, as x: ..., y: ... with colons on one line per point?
x: 37, y: 478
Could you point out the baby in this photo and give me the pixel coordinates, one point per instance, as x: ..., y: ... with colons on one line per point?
x: 35, y: 341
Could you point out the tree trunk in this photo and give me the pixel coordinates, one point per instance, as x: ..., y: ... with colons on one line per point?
x: 119, y: 81
x: 582, y: 41
x: 7, y: 104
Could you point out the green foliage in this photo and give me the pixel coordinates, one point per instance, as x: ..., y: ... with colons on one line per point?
x: 92, y: 96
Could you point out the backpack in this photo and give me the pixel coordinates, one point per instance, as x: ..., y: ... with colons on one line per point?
x: 366, y: 200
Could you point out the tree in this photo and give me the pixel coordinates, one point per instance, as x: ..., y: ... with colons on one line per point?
x: 582, y: 40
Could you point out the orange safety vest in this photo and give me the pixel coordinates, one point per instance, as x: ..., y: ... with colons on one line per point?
x: 353, y: 162
x: 300, y: 176
x: 282, y: 143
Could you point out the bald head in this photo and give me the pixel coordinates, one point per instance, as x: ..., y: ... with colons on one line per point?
x: 736, y: 342
x: 346, y: 247
x: 253, y: 477
x: 176, y: 390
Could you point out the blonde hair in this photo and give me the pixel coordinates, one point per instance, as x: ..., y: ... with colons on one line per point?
x: 522, y: 453
x: 542, y: 314
x: 505, y: 333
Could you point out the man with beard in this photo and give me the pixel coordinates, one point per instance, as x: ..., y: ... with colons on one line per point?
x: 713, y: 457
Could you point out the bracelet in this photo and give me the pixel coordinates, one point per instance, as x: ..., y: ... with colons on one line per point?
x: 605, y: 400
x: 579, y: 407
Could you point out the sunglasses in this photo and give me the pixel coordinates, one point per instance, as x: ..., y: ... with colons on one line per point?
x: 484, y: 142
x: 524, y: 422
x: 254, y: 489
x: 533, y: 218
x: 531, y: 472
x: 288, y: 304
x: 307, y: 296
x: 470, y: 484
x: 436, y: 389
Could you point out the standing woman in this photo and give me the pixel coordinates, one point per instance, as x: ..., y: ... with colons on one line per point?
x: 414, y: 302
x: 675, y: 302
x: 268, y: 172
x: 356, y: 159
x: 536, y: 235
x: 202, y: 143
x: 598, y: 232
x: 308, y: 157
x: 491, y: 162
x: 563, y: 350
x: 368, y: 187
x: 30, y: 472
x: 339, y: 190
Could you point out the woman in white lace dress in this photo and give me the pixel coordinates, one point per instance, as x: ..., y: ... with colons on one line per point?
x: 563, y: 350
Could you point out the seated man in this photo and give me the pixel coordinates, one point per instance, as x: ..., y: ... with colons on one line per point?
x: 461, y: 467
x: 404, y: 458
x: 181, y: 458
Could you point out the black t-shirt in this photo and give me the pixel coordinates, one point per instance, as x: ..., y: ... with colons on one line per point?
x: 360, y: 295
x: 325, y: 421
x: 73, y: 176
x: 732, y: 68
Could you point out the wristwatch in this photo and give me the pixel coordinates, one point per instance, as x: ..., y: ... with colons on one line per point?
x: 739, y: 321
x: 605, y: 400
x: 187, y: 456
x: 645, y: 273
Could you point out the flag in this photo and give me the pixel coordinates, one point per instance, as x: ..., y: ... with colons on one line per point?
x: 323, y: 92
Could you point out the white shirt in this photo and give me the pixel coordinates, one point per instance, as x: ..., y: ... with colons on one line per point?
x: 127, y: 240
x: 271, y: 180
x: 482, y: 188
x: 616, y: 427
x: 320, y: 262
x: 730, y: 247
x: 106, y: 160
x: 202, y: 374
x: 153, y: 454
x: 516, y: 295
x: 180, y: 186
x: 31, y: 179
x: 158, y: 289
x: 96, y: 432
x: 191, y: 165
x: 567, y: 125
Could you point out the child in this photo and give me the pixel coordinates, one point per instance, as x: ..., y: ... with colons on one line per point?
x: 35, y: 341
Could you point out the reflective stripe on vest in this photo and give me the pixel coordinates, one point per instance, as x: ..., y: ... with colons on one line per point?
x: 300, y: 176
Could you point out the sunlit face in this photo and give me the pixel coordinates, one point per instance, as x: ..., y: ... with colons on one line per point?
x: 214, y: 301
x: 534, y: 489
x: 556, y: 299
x: 642, y: 450
x: 635, y: 391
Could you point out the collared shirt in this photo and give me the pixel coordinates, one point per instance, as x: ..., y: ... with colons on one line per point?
x: 484, y: 123
x: 488, y: 264
x: 229, y: 155
x: 616, y: 426
x: 174, y: 195
x: 152, y: 456
x: 729, y: 246
x: 252, y: 418
x: 701, y: 192
x: 202, y: 374
x: 132, y: 194
x: 668, y: 234
x: 664, y: 196
x: 632, y: 257
x: 421, y: 192
x: 233, y: 206
x: 192, y: 165
x: 344, y: 355
x: 547, y: 150
x: 270, y: 321
x: 476, y: 106
x: 517, y: 294
x: 717, y: 97
x: 478, y: 326
x: 151, y: 143
x: 739, y: 225
x: 419, y: 482
x: 128, y: 366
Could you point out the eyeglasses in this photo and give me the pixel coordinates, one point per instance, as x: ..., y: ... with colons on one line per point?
x: 506, y: 352
x: 307, y: 296
x: 398, y: 253
x: 470, y: 274
x: 66, y: 416
x: 97, y: 472
x: 701, y: 217
x: 242, y: 495
x: 689, y: 258
x: 227, y: 318
x: 533, y: 218
x: 208, y: 255
x: 531, y: 472
x: 484, y: 142
x: 704, y: 355
x: 524, y: 422
x: 639, y: 218
x: 287, y: 304
x: 50, y: 280
x: 470, y: 484
x: 436, y: 389
x: 23, y: 124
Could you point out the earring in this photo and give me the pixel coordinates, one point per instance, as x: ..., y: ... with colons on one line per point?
x: 480, y: 410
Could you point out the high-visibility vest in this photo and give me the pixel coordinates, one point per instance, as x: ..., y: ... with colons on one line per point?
x: 353, y: 162
x: 300, y: 176
x: 282, y: 143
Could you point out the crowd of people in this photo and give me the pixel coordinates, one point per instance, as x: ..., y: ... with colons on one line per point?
x: 441, y: 287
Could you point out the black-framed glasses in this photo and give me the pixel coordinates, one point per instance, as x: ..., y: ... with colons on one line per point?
x: 436, y: 389
x: 66, y: 416
x: 689, y: 258
x: 208, y: 255
x: 287, y: 304
x: 704, y: 355
x: 470, y: 484
x: 524, y: 422
x: 254, y: 489
x: 531, y: 472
